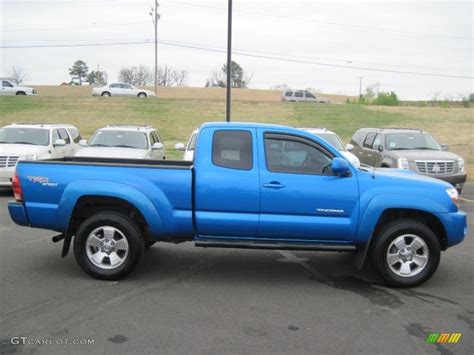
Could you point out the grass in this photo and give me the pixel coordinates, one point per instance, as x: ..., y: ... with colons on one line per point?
x: 176, y: 118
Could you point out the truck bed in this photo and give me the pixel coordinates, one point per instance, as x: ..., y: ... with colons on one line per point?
x: 171, y: 164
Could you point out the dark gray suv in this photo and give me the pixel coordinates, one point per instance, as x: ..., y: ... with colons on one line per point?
x: 412, y: 149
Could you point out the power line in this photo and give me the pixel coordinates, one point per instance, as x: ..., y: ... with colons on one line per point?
x: 241, y: 53
x: 76, y: 26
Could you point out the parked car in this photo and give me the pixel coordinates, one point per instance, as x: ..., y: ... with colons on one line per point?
x: 121, y: 89
x: 124, y: 141
x: 9, y: 87
x: 333, y: 139
x: 190, y: 147
x: 34, y: 142
x: 411, y: 149
x: 302, y: 95
x: 250, y: 186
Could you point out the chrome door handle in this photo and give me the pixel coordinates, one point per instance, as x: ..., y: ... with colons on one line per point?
x: 274, y: 185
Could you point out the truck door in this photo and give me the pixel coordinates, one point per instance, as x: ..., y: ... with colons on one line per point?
x: 226, y: 187
x: 300, y: 198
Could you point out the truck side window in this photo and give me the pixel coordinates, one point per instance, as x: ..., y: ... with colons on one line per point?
x: 232, y: 149
x: 75, y: 135
x: 298, y: 94
x: 285, y: 155
x: 63, y: 134
x: 369, y: 140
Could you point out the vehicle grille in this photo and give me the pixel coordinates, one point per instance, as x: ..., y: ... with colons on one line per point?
x: 435, y: 167
x: 8, y: 161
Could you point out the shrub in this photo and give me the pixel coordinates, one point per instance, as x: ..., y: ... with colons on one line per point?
x: 387, y: 99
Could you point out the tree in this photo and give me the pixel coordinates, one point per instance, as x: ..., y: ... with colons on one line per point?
x: 18, y: 74
x: 97, y: 77
x: 143, y: 76
x: 238, y: 79
x: 79, y: 71
x: 127, y: 75
x: 387, y: 99
x: 179, y: 77
x: 164, y: 76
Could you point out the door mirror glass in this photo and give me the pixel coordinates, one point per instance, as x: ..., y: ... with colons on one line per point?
x: 83, y: 142
x: 340, y: 167
x: 179, y: 146
x: 349, y: 147
x: 157, y: 146
x: 59, y: 143
x: 444, y: 147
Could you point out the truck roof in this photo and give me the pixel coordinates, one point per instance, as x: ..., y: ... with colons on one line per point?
x: 40, y: 125
x: 249, y: 125
x: 125, y: 127
x: 391, y: 129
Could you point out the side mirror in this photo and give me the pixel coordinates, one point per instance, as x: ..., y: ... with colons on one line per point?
x: 83, y: 142
x: 349, y: 147
x: 340, y: 167
x: 59, y: 143
x: 444, y: 147
x: 157, y: 146
x: 179, y: 146
x: 379, y: 148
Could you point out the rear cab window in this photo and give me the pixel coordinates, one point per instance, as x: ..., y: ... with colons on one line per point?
x: 232, y: 149
x: 75, y: 135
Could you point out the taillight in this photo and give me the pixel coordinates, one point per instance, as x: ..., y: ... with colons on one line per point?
x: 17, y: 192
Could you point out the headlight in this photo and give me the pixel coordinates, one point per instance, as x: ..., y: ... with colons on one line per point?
x: 460, y: 165
x: 454, y: 195
x: 402, y: 163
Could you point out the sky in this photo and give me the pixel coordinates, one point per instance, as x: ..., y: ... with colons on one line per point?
x: 325, y: 45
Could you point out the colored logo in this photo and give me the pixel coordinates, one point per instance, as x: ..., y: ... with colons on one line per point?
x: 441, y: 338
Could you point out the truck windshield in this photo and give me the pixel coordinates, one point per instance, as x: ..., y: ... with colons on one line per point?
x: 192, y: 142
x: 33, y: 136
x: 119, y: 139
x: 408, y: 141
x: 332, y: 139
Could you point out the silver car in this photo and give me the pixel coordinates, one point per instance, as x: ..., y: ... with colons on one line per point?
x: 121, y: 89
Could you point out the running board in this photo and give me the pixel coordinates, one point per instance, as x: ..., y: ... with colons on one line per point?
x: 272, y: 246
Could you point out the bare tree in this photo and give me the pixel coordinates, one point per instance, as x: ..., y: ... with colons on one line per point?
x: 179, y: 77
x: 143, y: 76
x: 127, y: 75
x: 164, y: 76
x: 18, y: 74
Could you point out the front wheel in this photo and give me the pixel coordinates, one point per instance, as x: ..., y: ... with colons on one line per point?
x: 406, y: 253
x: 142, y: 94
x: 108, y: 245
x: 105, y: 94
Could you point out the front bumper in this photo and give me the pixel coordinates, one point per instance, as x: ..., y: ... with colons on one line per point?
x: 457, y: 180
x: 18, y: 214
x: 455, y: 225
x: 6, y: 175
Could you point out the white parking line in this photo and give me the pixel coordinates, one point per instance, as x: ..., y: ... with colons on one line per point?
x: 465, y: 199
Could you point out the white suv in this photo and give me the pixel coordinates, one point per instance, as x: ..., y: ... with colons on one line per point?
x: 302, y: 95
x: 124, y: 142
x: 20, y: 141
x: 10, y: 88
x: 333, y: 139
x: 121, y: 89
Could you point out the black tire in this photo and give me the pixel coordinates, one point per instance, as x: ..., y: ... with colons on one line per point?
x: 142, y: 94
x: 387, y: 235
x: 20, y: 93
x: 121, y: 222
x: 106, y: 94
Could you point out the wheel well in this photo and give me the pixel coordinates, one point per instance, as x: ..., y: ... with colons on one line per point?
x: 105, y: 92
x: 426, y: 218
x: 142, y: 93
x: 385, y: 165
x: 87, y: 206
x: 20, y: 93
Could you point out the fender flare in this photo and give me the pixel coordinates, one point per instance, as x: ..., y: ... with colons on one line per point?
x: 375, y: 210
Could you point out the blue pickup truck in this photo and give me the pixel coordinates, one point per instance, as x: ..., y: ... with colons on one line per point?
x: 250, y: 186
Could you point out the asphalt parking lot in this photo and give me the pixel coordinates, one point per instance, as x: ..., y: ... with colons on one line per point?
x: 184, y: 299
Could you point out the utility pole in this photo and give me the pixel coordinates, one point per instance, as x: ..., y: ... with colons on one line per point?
x: 155, y: 16
x: 229, y: 60
x: 360, y: 87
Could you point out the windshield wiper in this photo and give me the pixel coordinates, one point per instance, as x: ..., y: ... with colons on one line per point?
x: 99, y: 145
x: 125, y: 146
x: 425, y: 148
x: 401, y: 149
x: 24, y: 143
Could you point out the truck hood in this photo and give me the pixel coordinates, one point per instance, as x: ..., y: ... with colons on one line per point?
x: 413, y: 155
x: 23, y: 149
x: 110, y: 152
x: 400, y: 176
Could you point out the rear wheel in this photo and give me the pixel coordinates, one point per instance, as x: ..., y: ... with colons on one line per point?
x: 142, y: 94
x: 105, y: 93
x: 406, y: 253
x: 108, y: 245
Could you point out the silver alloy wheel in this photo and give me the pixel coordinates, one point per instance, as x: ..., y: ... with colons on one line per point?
x: 107, y: 247
x: 407, y: 255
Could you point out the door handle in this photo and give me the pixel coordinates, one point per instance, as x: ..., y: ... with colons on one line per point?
x: 369, y: 155
x: 274, y: 185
